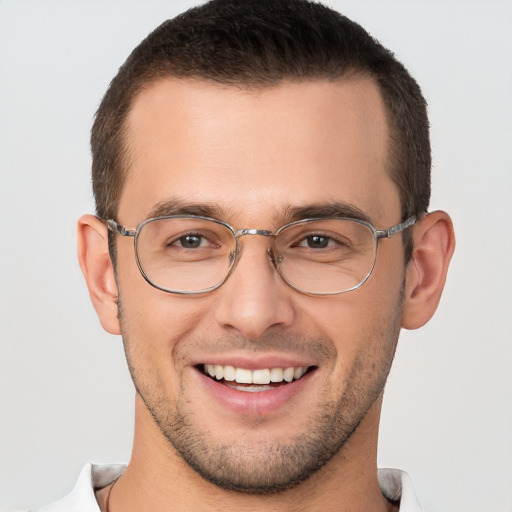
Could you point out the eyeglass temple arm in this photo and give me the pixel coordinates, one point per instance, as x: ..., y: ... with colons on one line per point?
x: 117, y: 228
x: 393, y: 230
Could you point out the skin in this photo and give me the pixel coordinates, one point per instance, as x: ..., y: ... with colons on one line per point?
x: 253, y: 155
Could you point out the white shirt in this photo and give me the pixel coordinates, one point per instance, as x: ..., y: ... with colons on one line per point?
x: 395, y: 485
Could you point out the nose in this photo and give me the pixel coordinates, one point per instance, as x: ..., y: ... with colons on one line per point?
x: 254, y: 298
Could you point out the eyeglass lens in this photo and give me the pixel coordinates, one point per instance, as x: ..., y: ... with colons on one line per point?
x: 319, y: 256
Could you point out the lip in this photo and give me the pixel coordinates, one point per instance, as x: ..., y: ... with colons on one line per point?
x: 254, y: 403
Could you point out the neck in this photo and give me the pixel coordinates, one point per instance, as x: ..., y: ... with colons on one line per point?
x: 158, y: 477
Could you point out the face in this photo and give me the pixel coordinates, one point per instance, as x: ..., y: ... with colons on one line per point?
x: 248, y: 158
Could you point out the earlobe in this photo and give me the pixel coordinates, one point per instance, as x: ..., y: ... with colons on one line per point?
x: 434, y: 243
x: 94, y: 259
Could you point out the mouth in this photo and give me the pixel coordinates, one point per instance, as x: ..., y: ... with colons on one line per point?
x: 262, y: 379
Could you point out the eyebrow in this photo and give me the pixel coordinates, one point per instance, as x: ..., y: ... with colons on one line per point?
x: 178, y: 207
x: 326, y: 211
x: 330, y: 210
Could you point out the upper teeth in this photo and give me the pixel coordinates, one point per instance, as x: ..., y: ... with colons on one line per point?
x: 261, y: 376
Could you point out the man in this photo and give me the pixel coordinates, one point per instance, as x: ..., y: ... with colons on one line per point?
x: 257, y: 154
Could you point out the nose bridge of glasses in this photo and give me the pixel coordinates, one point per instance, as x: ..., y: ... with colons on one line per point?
x: 252, y: 231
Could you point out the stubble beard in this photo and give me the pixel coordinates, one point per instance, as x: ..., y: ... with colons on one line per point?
x: 260, y: 465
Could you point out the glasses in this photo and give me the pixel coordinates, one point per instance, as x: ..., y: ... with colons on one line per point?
x: 187, y: 254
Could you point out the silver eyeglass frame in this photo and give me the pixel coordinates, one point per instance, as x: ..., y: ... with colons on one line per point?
x: 378, y: 234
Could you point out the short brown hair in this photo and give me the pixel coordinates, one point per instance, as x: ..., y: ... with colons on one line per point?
x: 258, y: 43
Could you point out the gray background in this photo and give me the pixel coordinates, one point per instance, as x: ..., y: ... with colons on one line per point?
x: 66, y: 397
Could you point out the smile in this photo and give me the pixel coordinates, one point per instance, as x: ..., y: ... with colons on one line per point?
x: 243, y: 379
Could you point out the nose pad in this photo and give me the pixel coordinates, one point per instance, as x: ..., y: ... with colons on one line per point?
x: 234, y: 255
x: 272, y: 257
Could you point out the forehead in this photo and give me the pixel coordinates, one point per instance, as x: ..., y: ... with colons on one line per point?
x: 253, y: 153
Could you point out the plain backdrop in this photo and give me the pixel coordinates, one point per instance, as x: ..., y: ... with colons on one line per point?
x: 66, y: 397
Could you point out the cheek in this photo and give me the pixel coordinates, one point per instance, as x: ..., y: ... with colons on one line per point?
x: 151, y: 330
x: 363, y: 325
x: 156, y: 319
x: 149, y: 315
x: 153, y: 323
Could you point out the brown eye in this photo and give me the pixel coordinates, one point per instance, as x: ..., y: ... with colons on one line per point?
x: 190, y: 241
x: 317, y: 242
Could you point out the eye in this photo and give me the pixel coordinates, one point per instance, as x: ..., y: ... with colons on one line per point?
x: 190, y: 241
x: 317, y: 241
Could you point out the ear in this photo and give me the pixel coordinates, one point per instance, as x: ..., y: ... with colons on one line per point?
x: 98, y: 271
x: 434, y: 243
